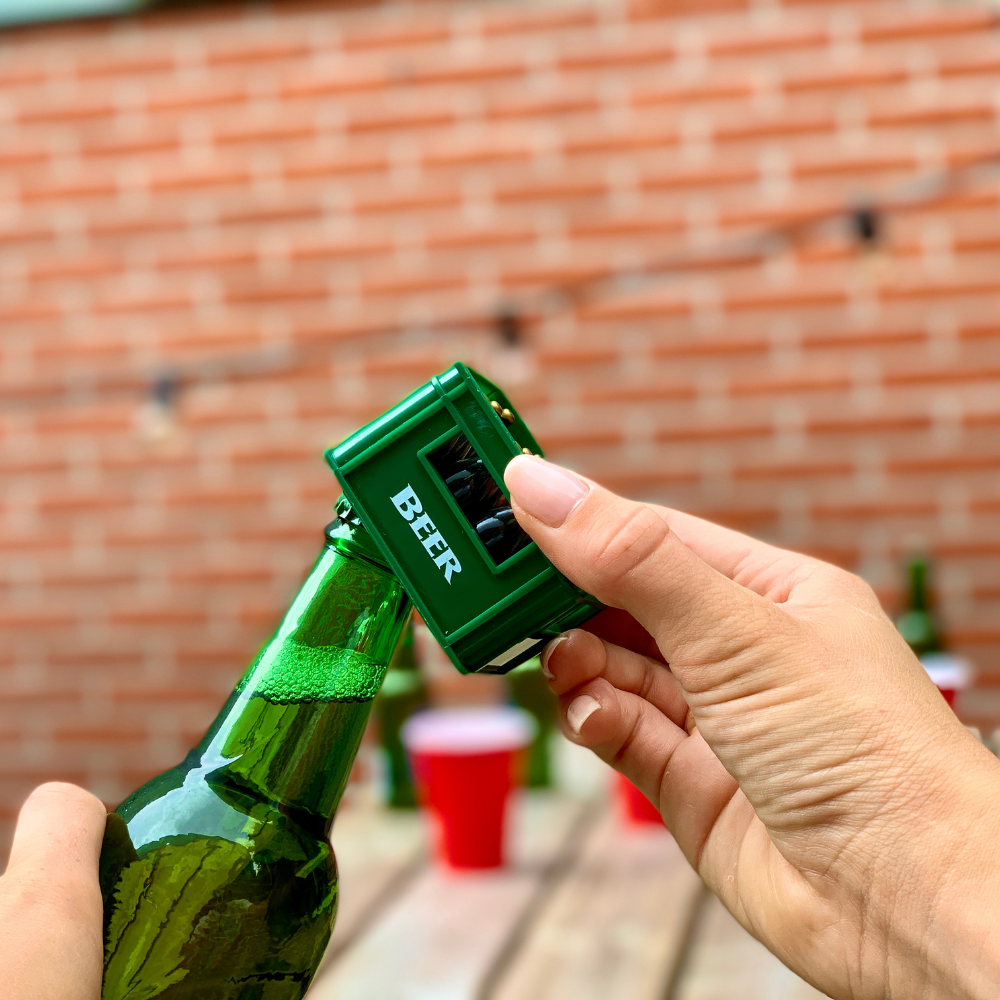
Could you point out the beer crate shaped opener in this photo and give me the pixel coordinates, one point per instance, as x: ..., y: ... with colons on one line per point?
x: 426, y: 479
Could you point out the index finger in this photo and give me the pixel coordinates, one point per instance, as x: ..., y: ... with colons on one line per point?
x: 766, y: 569
x: 619, y: 627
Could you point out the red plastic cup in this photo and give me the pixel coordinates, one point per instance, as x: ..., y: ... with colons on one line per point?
x: 464, y: 761
x: 635, y: 807
x: 950, y: 674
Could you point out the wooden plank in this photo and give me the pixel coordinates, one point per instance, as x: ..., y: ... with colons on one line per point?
x: 445, y: 933
x: 615, y: 925
x: 378, y: 850
x: 726, y: 963
x: 435, y: 944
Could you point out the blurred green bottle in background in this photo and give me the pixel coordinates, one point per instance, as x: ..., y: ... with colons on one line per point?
x: 218, y: 879
x: 403, y: 693
x: 918, y: 624
x: 529, y: 690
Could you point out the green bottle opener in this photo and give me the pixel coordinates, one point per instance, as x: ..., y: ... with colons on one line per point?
x: 426, y: 479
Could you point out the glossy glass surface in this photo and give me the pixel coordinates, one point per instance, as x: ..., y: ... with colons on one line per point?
x: 218, y: 880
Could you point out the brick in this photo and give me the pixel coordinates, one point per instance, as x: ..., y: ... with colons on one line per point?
x: 192, y: 206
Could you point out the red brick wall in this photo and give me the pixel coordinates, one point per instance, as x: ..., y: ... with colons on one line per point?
x: 280, y: 206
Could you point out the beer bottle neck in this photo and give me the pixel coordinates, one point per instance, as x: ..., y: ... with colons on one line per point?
x: 917, y: 623
x: 918, y: 585
x: 291, y: 730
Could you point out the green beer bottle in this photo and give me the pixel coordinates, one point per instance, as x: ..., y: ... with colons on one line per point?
x: 529, y: 690
x: 917, y: 623
x: 402, y: 694
x: 218, y: 879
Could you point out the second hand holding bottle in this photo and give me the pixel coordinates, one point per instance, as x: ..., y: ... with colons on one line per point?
x: 217, y: 876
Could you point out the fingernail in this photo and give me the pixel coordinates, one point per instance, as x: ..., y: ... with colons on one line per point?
x: 580, y: 709
x: 544, y: 490
x: 546, y: 653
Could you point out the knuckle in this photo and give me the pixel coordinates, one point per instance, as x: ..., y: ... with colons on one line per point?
x: 628, y: 736
x: 836, y: 577
x: 617, y: 551
x: 851, y: 586
x: 32, y: 890
x: 648, y: 681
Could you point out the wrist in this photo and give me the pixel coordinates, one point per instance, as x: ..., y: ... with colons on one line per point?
x: 940, y: 910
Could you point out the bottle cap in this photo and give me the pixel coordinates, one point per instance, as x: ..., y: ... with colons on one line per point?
x: 348, y: 533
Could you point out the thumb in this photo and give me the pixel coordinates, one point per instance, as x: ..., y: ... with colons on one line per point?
x: 50, y: 897
x: 59, y: 833
x: 625, y: 554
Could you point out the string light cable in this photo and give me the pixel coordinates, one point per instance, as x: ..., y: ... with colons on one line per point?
x: 511, y: 319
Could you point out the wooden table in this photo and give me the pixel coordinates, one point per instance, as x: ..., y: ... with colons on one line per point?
x: 588, y: 909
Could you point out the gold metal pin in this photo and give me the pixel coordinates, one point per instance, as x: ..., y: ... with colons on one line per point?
x: 498, y: 409
x: 526, y: 451
x: 506, y: 416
